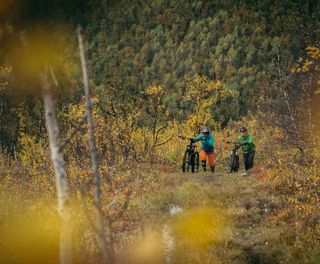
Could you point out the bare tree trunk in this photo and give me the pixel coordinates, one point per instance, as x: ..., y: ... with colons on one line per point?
x: 288, y: 105
x: 112, y: 160
x: 58, y: 163
x: 107, y: 256
x: 290, y: 112
x: 309, y: 100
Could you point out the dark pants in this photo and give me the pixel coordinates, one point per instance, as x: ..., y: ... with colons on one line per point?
x: 248, y: 160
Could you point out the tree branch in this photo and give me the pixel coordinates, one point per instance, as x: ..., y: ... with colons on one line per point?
x: 107, y: 257
x: 77, y: 128
x: 164, y: 142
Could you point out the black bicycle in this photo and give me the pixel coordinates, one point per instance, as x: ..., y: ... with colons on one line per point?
x: 190, y: 157
x: 234, y: 157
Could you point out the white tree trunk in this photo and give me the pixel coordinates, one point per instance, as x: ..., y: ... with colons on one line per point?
x: 58, y: 164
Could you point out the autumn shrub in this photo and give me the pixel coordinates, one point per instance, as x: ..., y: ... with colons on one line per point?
x: 295, y: 177
x: 124, y: 150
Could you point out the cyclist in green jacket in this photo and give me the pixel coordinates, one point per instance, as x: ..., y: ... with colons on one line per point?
x: 245, y: 141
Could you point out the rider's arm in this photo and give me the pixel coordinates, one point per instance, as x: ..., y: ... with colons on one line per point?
x: 250, y: 140
x: 239, y: 143
x: 198, y: 138
x: 211, y: 140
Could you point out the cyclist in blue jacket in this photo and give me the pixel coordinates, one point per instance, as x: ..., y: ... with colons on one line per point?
x: 207, y: 148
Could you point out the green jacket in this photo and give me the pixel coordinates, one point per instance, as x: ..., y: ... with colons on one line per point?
x: 247, y: 143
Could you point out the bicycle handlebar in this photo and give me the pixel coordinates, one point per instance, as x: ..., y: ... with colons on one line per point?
x: 231, y: 142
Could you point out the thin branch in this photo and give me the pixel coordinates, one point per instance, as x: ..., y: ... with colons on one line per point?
x: 159, y: 130
x: 164, y: 142
x: 77, y: 128
x: 107, y: 257
x: 105, y: 111
x: 53, y: 76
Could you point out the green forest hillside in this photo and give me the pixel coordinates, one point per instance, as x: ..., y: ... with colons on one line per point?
x: 248, y: 45
x: 238, y: 42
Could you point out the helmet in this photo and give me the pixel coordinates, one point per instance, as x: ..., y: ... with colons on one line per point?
x: 205, y: 131
x: 243, y: 129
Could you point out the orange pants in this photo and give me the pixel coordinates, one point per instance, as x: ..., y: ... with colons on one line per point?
x: 203, y: 157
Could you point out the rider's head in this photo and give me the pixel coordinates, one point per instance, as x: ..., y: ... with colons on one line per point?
x: 243, y: 130
x: 205, y: 131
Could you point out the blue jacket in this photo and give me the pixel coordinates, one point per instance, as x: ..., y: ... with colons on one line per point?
x: 207, y: 143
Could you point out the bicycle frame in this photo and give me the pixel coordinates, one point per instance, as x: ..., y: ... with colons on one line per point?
x: 191, y: 148
x: 190, y: 158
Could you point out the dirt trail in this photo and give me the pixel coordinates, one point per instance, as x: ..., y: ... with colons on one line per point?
x: 244, y: 198
x: 249, y: 204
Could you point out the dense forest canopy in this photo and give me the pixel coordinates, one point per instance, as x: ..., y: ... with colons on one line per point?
x: 132, y: 45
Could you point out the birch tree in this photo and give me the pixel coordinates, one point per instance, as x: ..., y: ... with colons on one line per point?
x: 60, y: 173
x: 42, y: 71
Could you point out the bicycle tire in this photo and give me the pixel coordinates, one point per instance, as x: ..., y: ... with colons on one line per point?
x: 185, y: 161
x: 197, y: 161
x: 192, y: 162
x: 193, y: 167
x: 234, y: 163
x: 231, y: 162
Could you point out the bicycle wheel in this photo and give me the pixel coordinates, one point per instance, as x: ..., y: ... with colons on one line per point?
x: 234, y: 162
x: 185, y: 162
x: 192, y: 163
x: 231, y: 162
x: 196, y: 161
